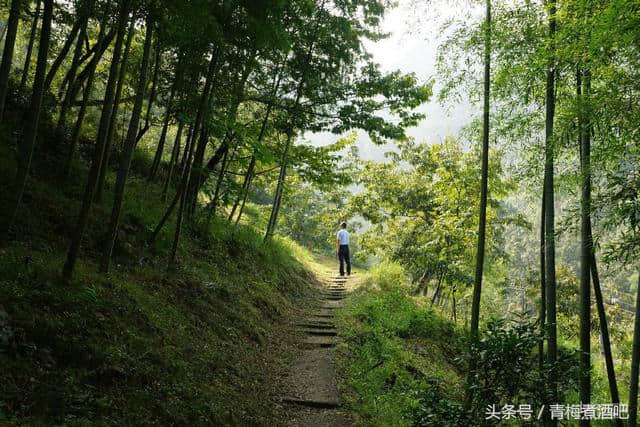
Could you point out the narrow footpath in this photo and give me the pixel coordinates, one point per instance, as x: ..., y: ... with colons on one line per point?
x: 311, y: 393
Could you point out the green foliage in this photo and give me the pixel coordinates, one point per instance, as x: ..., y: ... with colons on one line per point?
x: 399, y: 356
x: 507, y: 367
x: 389, y: 276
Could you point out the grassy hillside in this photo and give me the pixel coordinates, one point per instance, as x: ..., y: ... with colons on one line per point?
x: 400, y: 358
x: 198, y: 345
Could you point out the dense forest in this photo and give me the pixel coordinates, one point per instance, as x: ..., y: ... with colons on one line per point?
x: 173, y: 173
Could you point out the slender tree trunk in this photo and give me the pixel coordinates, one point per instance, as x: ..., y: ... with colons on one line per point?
x: 216, y: 196
x: 67, y: 100
x: 604, y: 332
x: 86, y: 96
x: 130, y: 144
x: 635, y: 363
x: 453, y: 305
x: 106, y: 152
x: 32, y: 38
x: 244, y: 200
x: 152, y: 95
x: 550, y: 251
x: 96, y: 163
x: 175, y: 153
x: 273, y: 219
x: 178, y: 230
x: 585, y: 251
x: 543, y: 289
x: 64, y: 51
x: 187, y: 146
x: 7, y: 53
x: 31, y: 122
x: 482, y: 223
x: 157, y: 158
x: 436, y: 292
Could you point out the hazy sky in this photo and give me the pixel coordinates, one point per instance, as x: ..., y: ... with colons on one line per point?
x: 412, y: 48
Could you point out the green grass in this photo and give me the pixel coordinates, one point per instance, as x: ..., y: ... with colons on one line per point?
x: 398, y: 358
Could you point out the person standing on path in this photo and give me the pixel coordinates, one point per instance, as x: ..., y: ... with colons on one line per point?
x: 342, y: 249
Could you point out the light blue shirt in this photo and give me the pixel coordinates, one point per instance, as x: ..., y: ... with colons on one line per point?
x: 343, y: 237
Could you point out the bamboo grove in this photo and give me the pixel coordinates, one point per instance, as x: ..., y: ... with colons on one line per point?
x: 560, y: 78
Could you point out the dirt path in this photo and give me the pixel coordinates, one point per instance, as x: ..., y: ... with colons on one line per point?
x: 311, y: 395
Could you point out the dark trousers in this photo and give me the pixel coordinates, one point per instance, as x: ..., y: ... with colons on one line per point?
x: 343, y: 256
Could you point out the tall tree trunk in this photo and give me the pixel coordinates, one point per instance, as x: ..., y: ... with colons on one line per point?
x: 482, y: 223
x: 106, y: 152
x: 32, y: 38
x: 86, y: 96
x: 635, y: 363
x: 543, y: 288
x: 157, y: 158
x: 173, y: 162
x: 550, y: 250
x: 96, y: 162
x: 127, y: 155
x: 152, y: 95
x: 31, y: 122
x: 585, y: 248
x: 7, y: 53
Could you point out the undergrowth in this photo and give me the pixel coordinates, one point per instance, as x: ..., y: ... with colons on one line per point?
x: 399, y: 357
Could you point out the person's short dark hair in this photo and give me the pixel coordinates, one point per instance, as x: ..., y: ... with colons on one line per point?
x: 343, y: 225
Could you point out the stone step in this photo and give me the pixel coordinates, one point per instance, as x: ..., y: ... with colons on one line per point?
x: 317, y: 324
x: 320, y: 404
x: 319, y: 341
x: 334, y: 297
x: 320, y: 332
